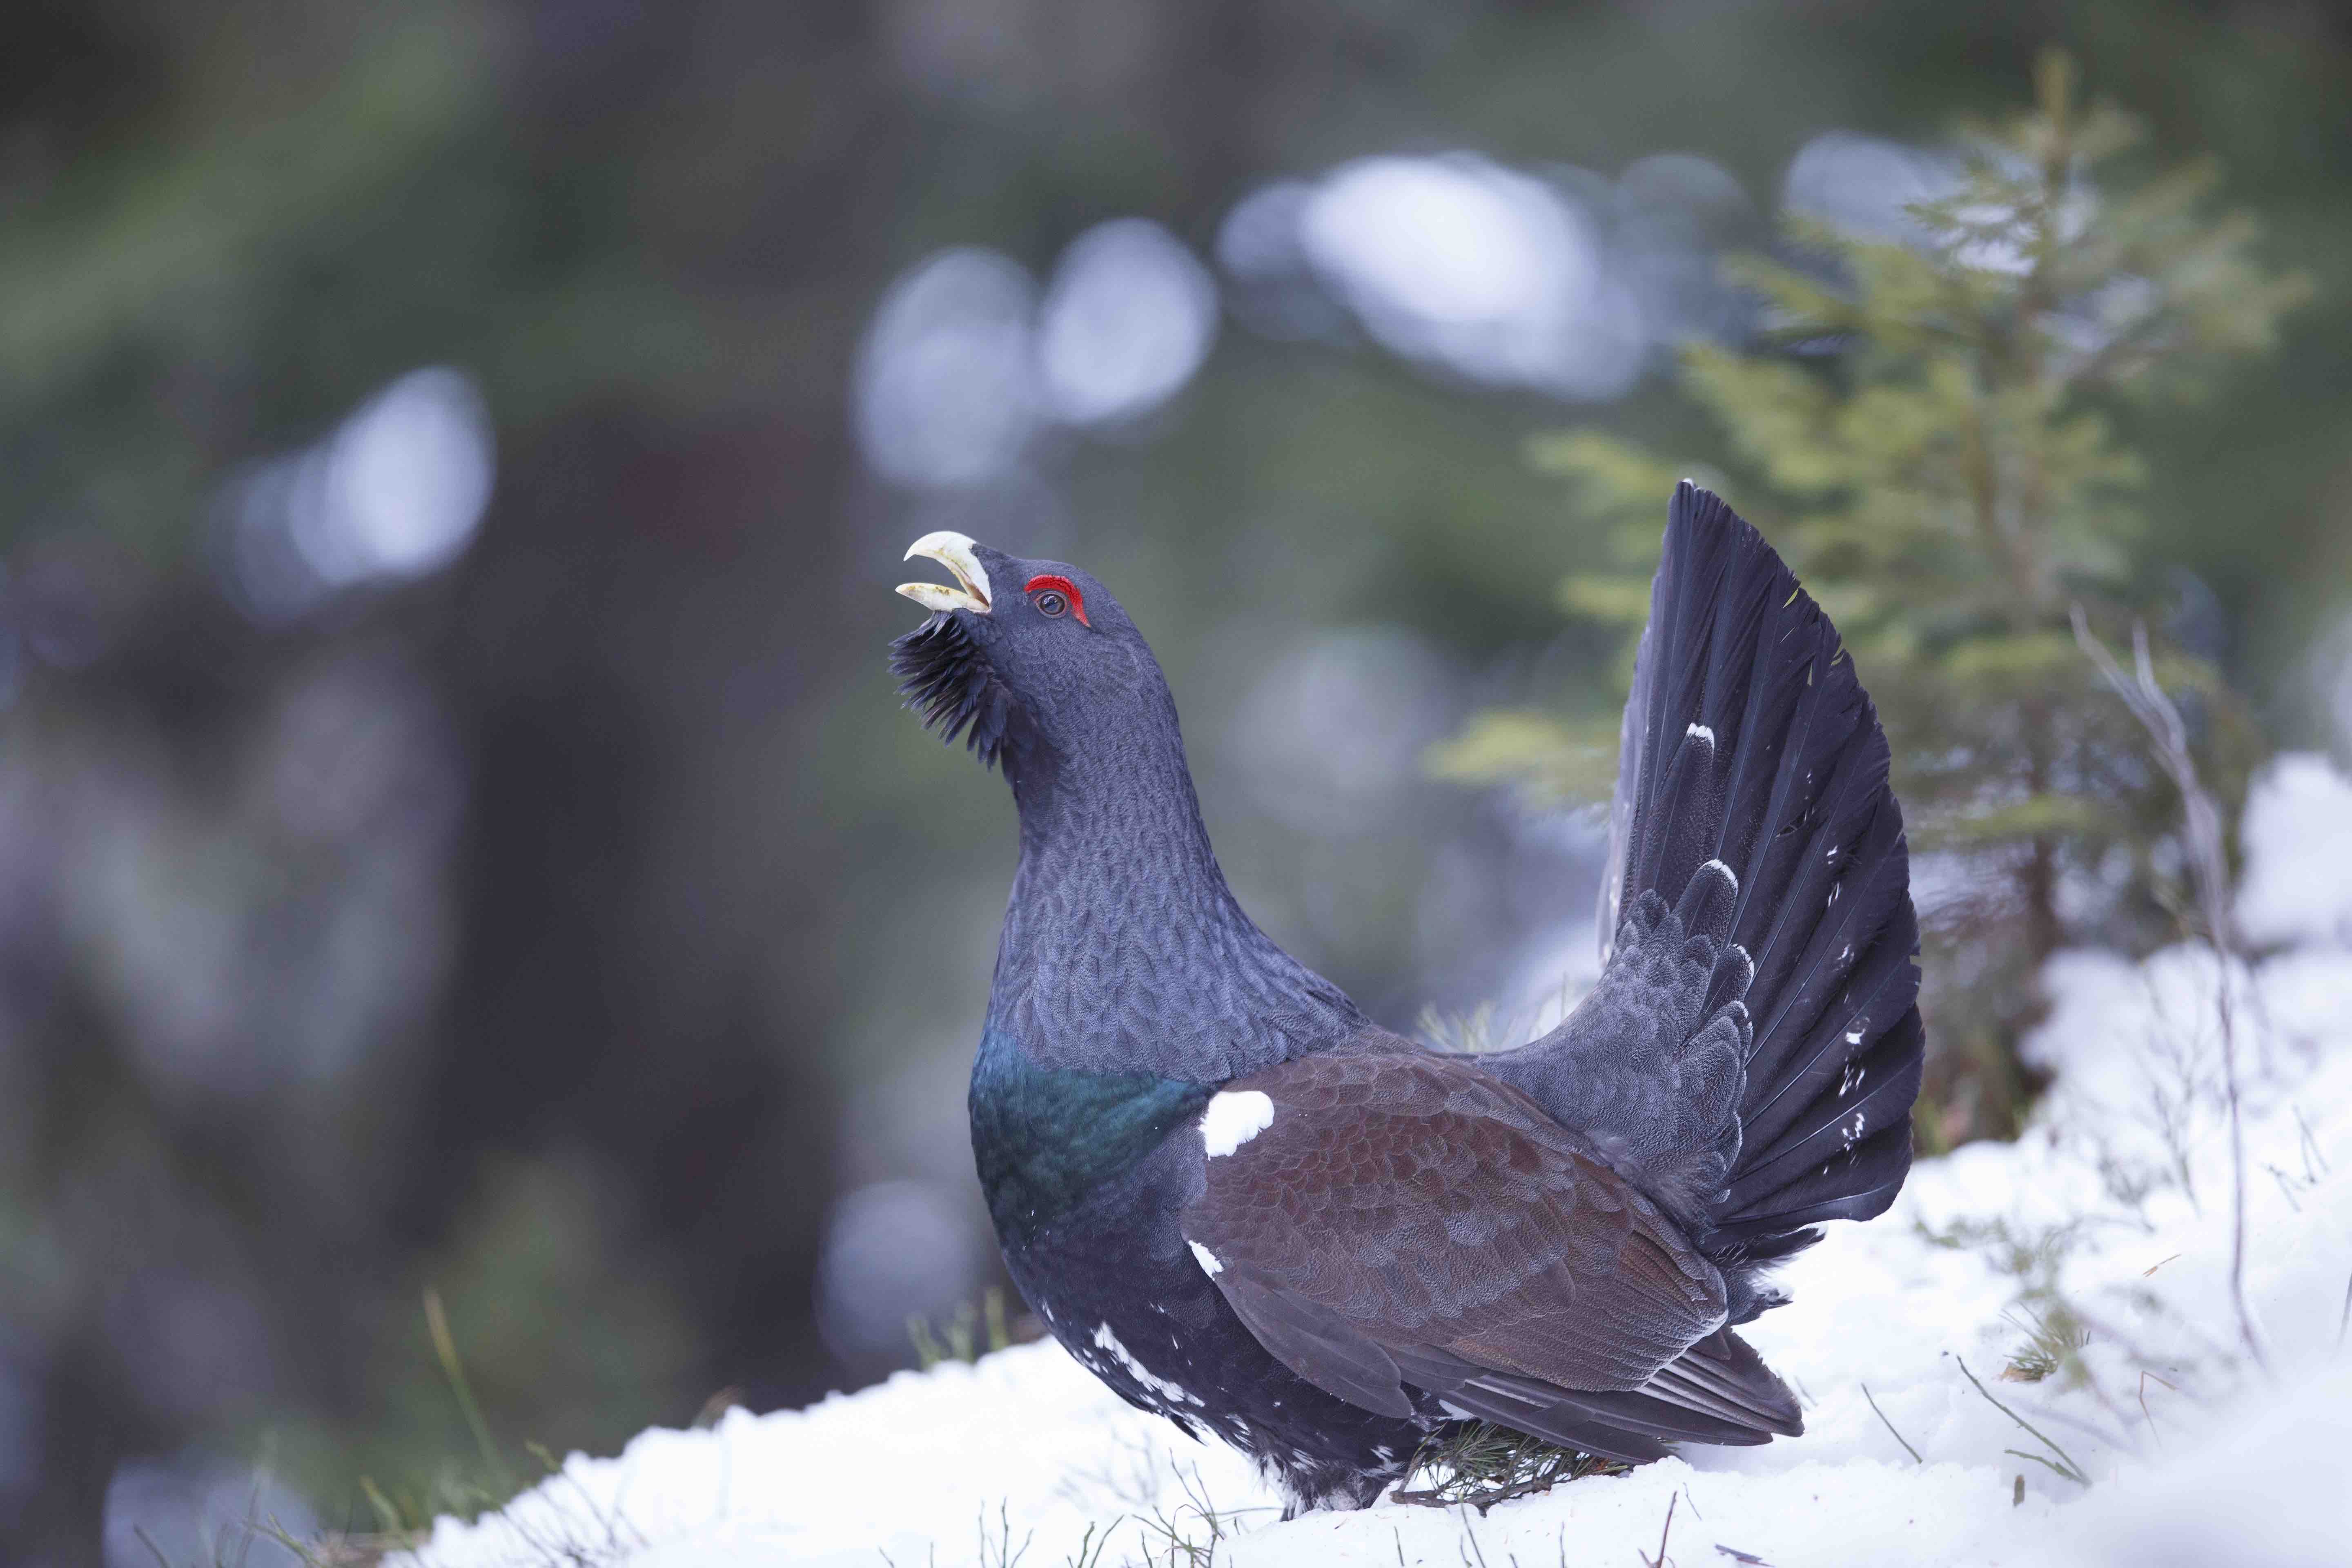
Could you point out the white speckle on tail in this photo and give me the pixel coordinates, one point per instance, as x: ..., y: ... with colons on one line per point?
x: 1853, y: 1037
x: 1701, y: 732
x: 1233, y: 1119
x: 1730, y: 875
x: 1206, y: 1258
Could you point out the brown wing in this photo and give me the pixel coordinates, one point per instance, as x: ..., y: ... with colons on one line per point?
x: 1386, y: 1220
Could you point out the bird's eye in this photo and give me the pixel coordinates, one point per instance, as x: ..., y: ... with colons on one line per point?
x: 1056, y: 595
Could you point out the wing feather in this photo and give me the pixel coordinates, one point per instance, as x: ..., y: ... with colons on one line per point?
x: 1404, y: 1221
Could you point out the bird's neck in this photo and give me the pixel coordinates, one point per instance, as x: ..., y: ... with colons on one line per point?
x: 1124, y: 949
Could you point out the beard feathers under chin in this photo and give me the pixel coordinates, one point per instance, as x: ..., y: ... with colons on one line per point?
x: 945, y: 679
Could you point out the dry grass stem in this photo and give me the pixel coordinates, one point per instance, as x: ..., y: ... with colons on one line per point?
x: 2210, y: 869
x: 1898, y: 1436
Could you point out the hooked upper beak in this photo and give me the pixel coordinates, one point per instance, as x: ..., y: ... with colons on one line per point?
x: 953, y: 551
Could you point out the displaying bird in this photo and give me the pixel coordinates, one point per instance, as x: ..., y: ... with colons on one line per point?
x: 1248, y: 1207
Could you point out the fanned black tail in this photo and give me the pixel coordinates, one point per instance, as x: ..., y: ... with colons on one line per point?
x: 1749, y: 742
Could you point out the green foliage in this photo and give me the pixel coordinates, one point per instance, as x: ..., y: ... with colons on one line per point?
x: 2054, y: 1344
x: 402, y: 1514
x: 969, y: 1334
x: 1932, y: 433
x: 1480, y: 1464
x: 538, y: 1336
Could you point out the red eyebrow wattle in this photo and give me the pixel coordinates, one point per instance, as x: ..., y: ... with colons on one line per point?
x: 1063, y: 587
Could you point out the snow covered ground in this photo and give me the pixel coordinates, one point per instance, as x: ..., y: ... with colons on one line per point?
x: 2113, y: 1214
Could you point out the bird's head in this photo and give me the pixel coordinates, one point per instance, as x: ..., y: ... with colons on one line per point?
x: 1019, y: 653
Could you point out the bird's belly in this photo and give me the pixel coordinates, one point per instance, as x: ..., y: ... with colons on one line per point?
x: 1162, y: 1342
x: 1115, y: 1285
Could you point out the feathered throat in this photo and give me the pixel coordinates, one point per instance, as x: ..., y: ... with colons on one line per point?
x: 945, y: 679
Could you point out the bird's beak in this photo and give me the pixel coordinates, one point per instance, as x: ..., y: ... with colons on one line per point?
x: 954, y: 552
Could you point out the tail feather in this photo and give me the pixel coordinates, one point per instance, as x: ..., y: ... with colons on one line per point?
x: 1749, y: 742
x: 1872, y: 1102
x: 1751, y: 1052
x: 1849, y: 1149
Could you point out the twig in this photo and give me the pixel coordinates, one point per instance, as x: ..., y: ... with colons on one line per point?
x: 1473, y: 1544
x: 2066, y: 1465
x: 1090, y: 1549
x: 2308, y: 1146
x: 1007, y: 1556
x: 2209, y: 867
x: 1660, y: 1560
x: 1874, y: 1410
x: 2143, y: 1375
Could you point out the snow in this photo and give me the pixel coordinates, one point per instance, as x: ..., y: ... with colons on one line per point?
x: 2298, y: 845
x: 2115, y: 1206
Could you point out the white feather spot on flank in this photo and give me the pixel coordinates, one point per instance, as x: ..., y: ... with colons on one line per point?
x: 1107, y: 1340
x: 1730, y: 875
x: 1701, y: 732
x: 1233, y: 1119
x: 1853, y: 1037
x: 1206, y: 1258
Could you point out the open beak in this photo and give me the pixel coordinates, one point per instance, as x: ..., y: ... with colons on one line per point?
x: 954, y: 552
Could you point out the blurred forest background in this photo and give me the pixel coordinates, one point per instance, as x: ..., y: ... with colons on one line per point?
x: 455, y: 829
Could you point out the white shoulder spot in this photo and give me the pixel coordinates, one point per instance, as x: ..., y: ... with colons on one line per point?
x: 1701, y: 732
x: 1234, y: 1118
x: 1206, y: 1258
x: 1730, y: 875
